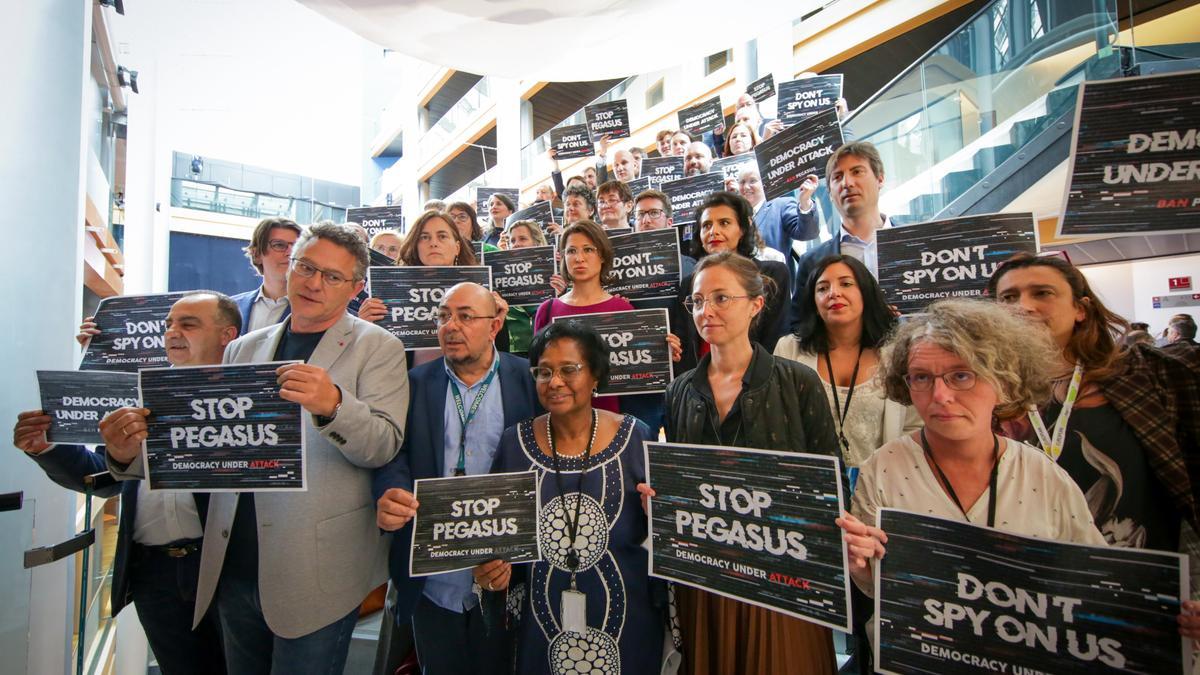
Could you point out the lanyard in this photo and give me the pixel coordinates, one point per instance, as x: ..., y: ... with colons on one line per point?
x: 572, y: 522
x: 1053, y: 446
x: 465, y: 417
x: 837, y: 406
x: 991, y: 521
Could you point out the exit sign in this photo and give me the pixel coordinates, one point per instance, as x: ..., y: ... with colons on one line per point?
x: 1179, y: 283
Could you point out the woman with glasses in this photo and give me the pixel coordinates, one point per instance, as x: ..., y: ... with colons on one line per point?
x: 587, y: 258
x: 465, y: 221
x: 519, y: 324
x: 589, y: 606
x: 387, y: 242
x: 740, y: 395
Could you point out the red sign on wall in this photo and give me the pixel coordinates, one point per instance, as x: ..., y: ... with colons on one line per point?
x: 1179, y: 283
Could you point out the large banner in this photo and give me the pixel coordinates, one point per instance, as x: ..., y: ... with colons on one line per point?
x: 541, y: 213
x: 611, y: 118
x: 131, y: 333
x: 638, y: 355
x: 646, y: 265
x: 412, y: 294
x: 522, y: 275
x: 484, y: 193
x: 701, y: 117
x: 1135, y: 157
x: 378, y: 218
x: 949, y: 258
x: 571, y: 141
x: 660, y: 170
x: 76, y: 401
x: 807, y: 96
x: 220, y: 429
x: 752, y: 525
x: 762, y: 89
x: 801, y: 150
x: 957, y: 598
x: 467, y: 520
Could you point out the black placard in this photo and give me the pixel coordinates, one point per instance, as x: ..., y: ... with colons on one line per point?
x: 762, y: 89
x: 539, y: 212
x: 1027, y: 605
x: 801, y: 150
x: 701, y: 117
x: 522, y: 275
x: 646, y: 265
x: 753, y: 525
x: 378, y: 218
x: 638, y: 354
x: 221, y: 428
x: 1135, y: 157
x: 919, y: 264
x: 659, y: 170
x: 808, y: 96
x: 688, y: 193
x: 131, y: 333
x: 571, y: 141
x: 639, y: 185
x: 76, y: 401
x: 611, y: 117
x: 467, y: 520
x: 411, y: 296
x: 731, y: 167
x: 483, y: 194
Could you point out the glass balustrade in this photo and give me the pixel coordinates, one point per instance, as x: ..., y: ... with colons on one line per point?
x: 459, y: 116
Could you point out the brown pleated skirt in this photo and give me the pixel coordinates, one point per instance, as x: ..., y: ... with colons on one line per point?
x: 727, y: 637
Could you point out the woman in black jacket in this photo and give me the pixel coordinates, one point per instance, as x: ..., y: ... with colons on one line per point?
x: 740, y: 395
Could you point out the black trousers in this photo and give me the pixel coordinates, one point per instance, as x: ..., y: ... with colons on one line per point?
x: 164, y: 594
x: 449, y: 643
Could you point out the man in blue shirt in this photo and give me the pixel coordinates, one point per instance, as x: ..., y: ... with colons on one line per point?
x: 458, y: 407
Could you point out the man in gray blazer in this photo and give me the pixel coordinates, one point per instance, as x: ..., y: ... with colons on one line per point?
x: 288, y: 570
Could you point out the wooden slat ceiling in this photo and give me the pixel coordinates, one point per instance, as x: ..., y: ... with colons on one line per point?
x: 557, y: 101
x: 1118, y: 249
x: 464, y: 168
x: 445, y: 98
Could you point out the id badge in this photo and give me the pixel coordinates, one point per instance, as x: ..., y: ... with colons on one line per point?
x: 574, y: 612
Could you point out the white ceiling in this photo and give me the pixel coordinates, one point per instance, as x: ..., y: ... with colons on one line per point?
x: 562, y: 40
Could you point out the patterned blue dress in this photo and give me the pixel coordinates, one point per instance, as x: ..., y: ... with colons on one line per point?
x: 625, y: 629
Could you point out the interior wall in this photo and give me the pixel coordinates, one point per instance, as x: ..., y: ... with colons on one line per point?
x: 1129, y: 288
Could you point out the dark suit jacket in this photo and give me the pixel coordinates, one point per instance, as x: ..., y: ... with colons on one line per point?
x: 779, y: 221
x: 245, y: 302
x: 68, y: 465
x: 804, y: 268
x: 422, y: 454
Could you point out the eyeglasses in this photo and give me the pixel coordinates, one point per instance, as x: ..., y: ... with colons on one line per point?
x: 719, y: 300
x: 444, y: 317
x: 958, y: 380
x: 585, y: 251
x: 460, y: 217
x: 280, y: 246
x: 609, y: 202
x: 651, y: 214
x: 331, y: 278
x: 567, y: 371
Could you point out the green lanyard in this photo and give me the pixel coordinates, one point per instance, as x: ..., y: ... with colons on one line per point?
x: 1053, y: 445
x: 465, y: 417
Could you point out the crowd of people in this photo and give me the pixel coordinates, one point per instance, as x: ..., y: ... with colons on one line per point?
x: 1003, y: 411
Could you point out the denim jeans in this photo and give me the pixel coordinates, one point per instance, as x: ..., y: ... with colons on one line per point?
x: 164, y: 595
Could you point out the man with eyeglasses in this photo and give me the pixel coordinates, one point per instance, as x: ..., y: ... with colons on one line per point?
x: 614, y: 201
x: 287, y: 571
x: 269, y: 251
x: 460, y: 405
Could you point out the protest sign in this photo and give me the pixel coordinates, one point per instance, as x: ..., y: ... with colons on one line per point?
x: 659, y: 170
x: 639, y: 185
x: 686, y: 194
x: 646, y: 265
x: 731, y: 167
x: 541, y: 213
x: 76, y: 401
x: 571, y: 141
x: 762, y: 89
x: 807, y: 96
x: 411, y: 296
x: 131, y: 333
x: 220, y: 429
x: 638, y: 354
x: 611, y: 118
x: 467, y: 520
x: 484, y: 193
x: 377, y: 218
x: 752, y: 525
x: 1135, y: 157
x: 948, y: 258
x: 785, y: 159
x: 522, y: 275
x: 951, y: 597
x: 701, y: 117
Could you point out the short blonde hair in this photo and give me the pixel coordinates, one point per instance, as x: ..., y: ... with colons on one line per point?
x: 535, y: 231
x: 1013, y: 353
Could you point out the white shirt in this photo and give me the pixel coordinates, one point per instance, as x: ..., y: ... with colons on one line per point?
x: 163, y: 517
x: 866, y: 252
x: 266, y: 312
x: 768, y: 253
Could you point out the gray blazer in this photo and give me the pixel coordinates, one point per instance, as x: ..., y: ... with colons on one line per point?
x: 319, y: 551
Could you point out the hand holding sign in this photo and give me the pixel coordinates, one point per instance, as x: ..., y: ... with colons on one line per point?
x: 863, y: 544
x: 86, y: 330
x: 395, y: 508
x: 373, y: 310
x: 123, y: 431
x: 29, y: 433
x: 493, y: 575
x: 309, y: 386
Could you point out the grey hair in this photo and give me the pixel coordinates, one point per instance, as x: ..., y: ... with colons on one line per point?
x: 341, y: 235
x: 1008, y: 350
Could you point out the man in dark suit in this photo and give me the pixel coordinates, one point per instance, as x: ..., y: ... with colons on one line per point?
x: 782, y: 220
x: 158, y: 540
x: 269, y: 251
x: 458, y: 407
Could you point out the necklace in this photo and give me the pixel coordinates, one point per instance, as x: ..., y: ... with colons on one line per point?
x: 572, y: 522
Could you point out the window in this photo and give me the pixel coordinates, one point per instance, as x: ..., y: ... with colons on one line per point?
x: 654, y: 94
x: 715, y: 62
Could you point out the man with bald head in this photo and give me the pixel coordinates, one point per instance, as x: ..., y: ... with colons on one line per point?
x: 458, y: 407
x: 698, y: 159
x: 626, y: 167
